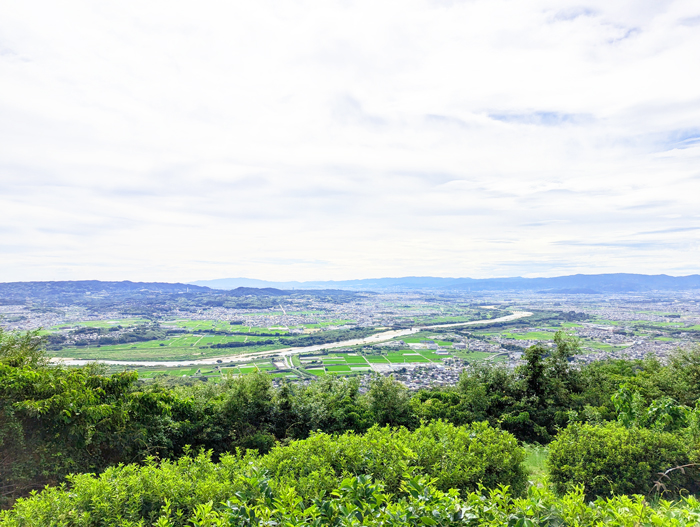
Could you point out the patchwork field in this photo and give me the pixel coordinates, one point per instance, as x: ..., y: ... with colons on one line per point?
x: 198, y: 337
x: 195, y: 344
x: 210, y: 371
x: 351, y: 363
x: 416, y: 339
x: 180, y: 348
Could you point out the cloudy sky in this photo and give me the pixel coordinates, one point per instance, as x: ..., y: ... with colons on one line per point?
x: 303, y: 140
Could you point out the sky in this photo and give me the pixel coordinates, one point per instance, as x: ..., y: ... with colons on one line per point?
x: 322, y: 140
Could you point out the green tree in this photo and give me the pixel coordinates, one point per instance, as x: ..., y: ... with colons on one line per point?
x: 246, y: 408
x: 533, y: 371
x: 22, y: 349
x: 331, y: 404
x: 390, y: 402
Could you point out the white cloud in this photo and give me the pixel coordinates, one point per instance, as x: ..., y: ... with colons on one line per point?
x: 318, y: 140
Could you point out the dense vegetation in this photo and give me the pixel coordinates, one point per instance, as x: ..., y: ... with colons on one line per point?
x: 314, y: 467
x: 610, y: 459
x: 195, y: 491
x: 272, y: 451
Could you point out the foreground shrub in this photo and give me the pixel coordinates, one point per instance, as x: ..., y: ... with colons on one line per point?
x: 610, y: 459
x: 462, y: 458
x: 459, y: 457
x: 128, y: 494
x: 465, y: 457
x: 359, y: 501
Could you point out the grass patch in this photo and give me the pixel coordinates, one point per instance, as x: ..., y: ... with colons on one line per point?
x: 535, y: 456
x: 338, y: 368
x: 397, y: 358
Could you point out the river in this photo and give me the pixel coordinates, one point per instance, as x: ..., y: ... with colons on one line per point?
x: 285, y: 352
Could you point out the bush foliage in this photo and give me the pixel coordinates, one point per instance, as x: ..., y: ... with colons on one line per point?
x: 611, y: 459
x: 461, y: 458
x: 190, y: 493
x: 453, y: 457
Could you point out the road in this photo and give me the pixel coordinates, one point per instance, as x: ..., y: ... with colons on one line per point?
x: 286, y: 352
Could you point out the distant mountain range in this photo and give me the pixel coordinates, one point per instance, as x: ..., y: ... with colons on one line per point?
x: 91, y: 291
x: 573, y: 284
x: 69, y: 290
x: 95, y: 290
x: 81, y: 287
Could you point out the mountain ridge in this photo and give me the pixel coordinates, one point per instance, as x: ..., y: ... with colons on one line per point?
x: 573, y: 284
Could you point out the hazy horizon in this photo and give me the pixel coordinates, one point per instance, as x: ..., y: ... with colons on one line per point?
x: 262, y: 281
x: 300, y: 141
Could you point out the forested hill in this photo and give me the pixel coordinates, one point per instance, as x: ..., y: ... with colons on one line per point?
x: 96, y: 291
x: 51, y: 290
x: 83, y: 290
x: 573, y: 284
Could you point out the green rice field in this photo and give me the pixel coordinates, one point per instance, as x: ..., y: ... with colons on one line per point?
x: 352, y: 363
x: 180, y: 348
x: 210, y: 370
